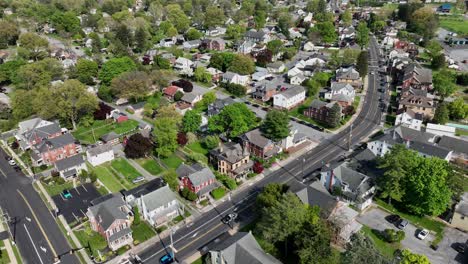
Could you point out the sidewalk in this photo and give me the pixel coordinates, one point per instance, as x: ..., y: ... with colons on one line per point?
x: 8, y: 247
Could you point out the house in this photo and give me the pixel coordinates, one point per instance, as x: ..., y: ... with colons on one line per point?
x: 293, y: 140
x: 197, y: 179
x: 265, y: 91
x: 276, y: 67
x: 232, y: 77
x: 297, y: 79
x: 111, y: 138
x: 440, y: 130
x: 231, y: 159
x: 245, y: 47
x: 409, y: 118
x: 191, y: 98
x: 71, y: 167
x: 213, y: 32
x: 348, y: 33
x: 419, y: 141
x: 294, y: 71
x: 131, y: 196
x: 295, y: 33
x: 460, y: 214
x: 167, y: 42
x: 354, y: 186
x: 213, y: 44
x: 289, y: 98
x: 50, y: 150
x: 242, y: 247
x: 417, y: 77
x: 170, y: 91
x: 97, y: 155
x: 420, y: 104
x: 256, y: 36
x: 158, y: 206
x: 343, y: 93
x: 33, y: 131
x: 191, y: 44
x: 119, y: 117
x: 459, y: 147
x: 112, y: 219
x: 348, y: 75
x: 309, y: 46
x: 218, y: 105
x: 261, y: 76
x: 183, y: 65
x: 316, y: 194
x: 137, y: 108
x: 319, y: 110
x: 258, y: 145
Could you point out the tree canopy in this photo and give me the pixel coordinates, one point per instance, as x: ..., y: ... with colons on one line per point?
x: 191, y: 121
x: 114, y: 67
x: 138, y: 146
x: 276, y: 125
x: 234, y: 120
x: 362, y: 34
x: 131, y: 85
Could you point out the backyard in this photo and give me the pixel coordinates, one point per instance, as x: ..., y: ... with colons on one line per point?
x: 386, y: 249
x: 150, y: 165
x: 95, y: 240
x: 99, y: 128
x: 125, y: 169
x: 455, y: 24
x: 108, y: 179
x: 198, y: 147
x: 172, y: 161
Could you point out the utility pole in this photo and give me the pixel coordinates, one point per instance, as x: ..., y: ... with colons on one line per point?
x: 350, y: 136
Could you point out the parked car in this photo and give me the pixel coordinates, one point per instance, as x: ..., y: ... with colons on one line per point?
x: 461, y: 247
x: 422, y: 234
x: 17, y: 168
x: 12, y: 162
x: 138, y: 179
x: 166, y: 259
x: 393, y: 218
x: 66, y: 194
x: 8, y: 157
x: 402, y: 224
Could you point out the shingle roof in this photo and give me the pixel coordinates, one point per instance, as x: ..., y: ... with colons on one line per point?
x: 55, y: 143
x: 317, y: 195
x: 431, y: 150
x: 144, y: 188
x: 255, y: 34
x: 189, y: 97
x: 97, y: 150
x: 337, y: 86
x: 158, y: 198
x: 255, y: 137
x: 109, y: 210
x: 455, y: 144
x: 70, y: 162
x: 293, y: 91
x: 353, y: 178
x: 196, y: 173
x: 347, y: 73
x: 43, y: 132
x: 317, y: 104
x: 109, y: 136
x: 230, y: 152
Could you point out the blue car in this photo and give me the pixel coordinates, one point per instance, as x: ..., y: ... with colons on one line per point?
x: 166, y: 259
x: 66, y: 194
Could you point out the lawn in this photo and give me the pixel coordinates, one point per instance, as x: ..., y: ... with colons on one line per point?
x: 218, y: 193
x: 384, y: 248
x: 357, y: 99
x: 95, y: 240
x: 54, y: 189
x: 123, y: 167
x: 4, y: 259
x: 172, y: 161
x: 455, y: 24
x: 150, y: 165
x: 198, y: 147
x: 198, y: 261
x: 461, y: 132
x: 142, y: 232
x: 423, y: 222
x: 108, y: 179
x: 102, y: 127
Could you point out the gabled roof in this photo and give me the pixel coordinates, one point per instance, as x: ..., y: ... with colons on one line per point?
x: 353, y: 178
x: 189, y: 97
x: 196, y: 173
x: 422, y: 75
x: 430, y: 149
x: 293, y: 91
x: 144, y: 188
x: 338, y: 86
x: 55, y: 143
x: 97, y: 150
x: 256, y: 138
x: 230, y: 152
x: 255, y: 34
x: 316, y: 195
x: 70, y: 162
x: 108, y: 211
x: 158, y: 198
x: 347, y: 73
x: 171, y: 90
x: 455, y: 144
x: 109, y: 136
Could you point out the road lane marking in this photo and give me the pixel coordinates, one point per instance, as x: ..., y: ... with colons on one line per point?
x: 38, y: 223
x: 4, y: 175
x: 35, y: 249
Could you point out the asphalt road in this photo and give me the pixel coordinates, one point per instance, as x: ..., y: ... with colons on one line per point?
x: 33, y: 227
x: 196, y: 235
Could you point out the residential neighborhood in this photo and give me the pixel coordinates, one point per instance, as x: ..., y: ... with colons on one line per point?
x: 257, y: 131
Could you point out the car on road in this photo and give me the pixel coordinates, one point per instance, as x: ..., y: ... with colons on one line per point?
x: 229, y: 218
x: 17, y: 168
x: 8, y: 157
x: 248, y: 103
x: 12, y: 162
x: 138, y: 179
x: 66, y: 194
x: 402, y: 224
x: 422, y: 234
x: 393, y: 218
x: 166, y: 259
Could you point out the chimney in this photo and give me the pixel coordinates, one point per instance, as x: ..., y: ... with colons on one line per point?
x: 100, y: 218
x: 330, y: 186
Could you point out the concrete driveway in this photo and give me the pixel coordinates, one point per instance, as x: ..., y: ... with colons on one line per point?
x: 375, y: 219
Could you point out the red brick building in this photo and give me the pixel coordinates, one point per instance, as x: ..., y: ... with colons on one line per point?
x: 196, y: 178
x: 48, y: 151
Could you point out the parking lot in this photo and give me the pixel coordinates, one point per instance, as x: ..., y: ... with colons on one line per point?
x: 375, y: 219
x: 75, y: 207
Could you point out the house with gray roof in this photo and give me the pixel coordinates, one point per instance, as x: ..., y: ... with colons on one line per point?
x: 191, y: 98
x: 343, y: 93
x: 258, y: 145
x: 112, y: 219
x: 256, y: 36
x: 240, y: 248
x: 348, y: 75
x: 231, y: 159
x: 97, y: 155
x: 416, y: 76
x: 459, y: 147
x: 196, y: 178
x: 315, y: 194
x: 218, y: 105
x: 50, y: 150
x: 289, y: 98
x: 460, y: 214
x: 111, y: 138
x: 31, y: 132
x: 159, y: 206
x: 71, y: 167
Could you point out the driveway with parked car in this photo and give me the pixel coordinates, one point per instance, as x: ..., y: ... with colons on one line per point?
x: 379, y: 219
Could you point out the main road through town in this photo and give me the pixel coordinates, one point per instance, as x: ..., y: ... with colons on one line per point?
x: 205, y: 230
x: 32, y: 226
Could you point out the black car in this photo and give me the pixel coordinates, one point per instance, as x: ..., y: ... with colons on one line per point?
x: 461, y: 248
x: 248, y: 103
x: 8, y: 157
x: 393, y: 218
x: 17, y: 168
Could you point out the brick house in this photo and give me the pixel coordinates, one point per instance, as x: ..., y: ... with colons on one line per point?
x: 417, y: 77
x: 348, y: 75
x: 112, y: 219
x: 231, y: 159
x: 319, y: 110
x: 34, y: 131
x: 49, y: 150
x: 258, y: 145
x: 265, y: 92
x: 196, y: 178
x: 213, y: 44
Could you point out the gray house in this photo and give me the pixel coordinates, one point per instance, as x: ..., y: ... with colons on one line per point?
x: 71, y: 167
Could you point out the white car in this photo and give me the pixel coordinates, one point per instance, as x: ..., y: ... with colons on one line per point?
x: 422, y: 234
x: 12, y: 162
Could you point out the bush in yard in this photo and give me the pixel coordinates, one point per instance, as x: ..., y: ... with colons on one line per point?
x: 138, y: 146
x: 15, y: 145
x: 136, y: 216
x: 102, y: 111
x: 257, y: 167
x: 54, y: 174
x: 218, y: 193
x: 59, y: 181
x: 236, y: 89
x: 211, y: 142
x: 92, y: 176
x: 196, y: 157
x: 43, y: 167
x: 392, y: 235
x: 188, y: 194
x: 178, y: 96
x: 182, y: 138
x: 187, y: 86
x: 170, y: 177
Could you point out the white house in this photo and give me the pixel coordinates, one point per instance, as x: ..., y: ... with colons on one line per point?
x: 338, y: 88
x: 440, y: 130
x: 290, y: 98
x: 297, y: 79
x: 410, y: 119
x: 191, y: 44
x: 100, y: 154
x: 71, y: 167
x: 245, y: 46
x: 309, y: 46
x: 232, y: 77
x: 183, y: 65
x: 294, y: 71
x: 276, y: 67
x: 167, y: 42
x: 158, y: 206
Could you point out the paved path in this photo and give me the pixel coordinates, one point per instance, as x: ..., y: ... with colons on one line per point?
x: 148, y: 176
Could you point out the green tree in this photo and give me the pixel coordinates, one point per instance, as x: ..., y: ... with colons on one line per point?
x: 362, y: 63
x: 202, y: 75
x: 191, y: 121
x: 276, y: 125
x: 242, y: 64
x: 211, y: 142
x: 327, y: 32
x: 235, y: 32
x: 193, y: 34
x: 141, y: 39
x: 66, y: 22
x: 424, y: 22
x: 161, y: 63
x: 38, y: 74
x: 438, y: 62
x: 362, y: 249
x: 334, y: 116
x: 458, y: 109
x: 177, y: 17
x: 222, y: 60
x: 86, y: 70
x: 170, y: 177
x: 136, y: 216
x: 131, y: 85
x: 234, y: 120
x: 407, y: 257
x: 9, y: 33
x: 347, y: 18
x: 34, y: 45
x: 214, y: 16
x: 362, y: 35
x: 441, y: 115
x: 275, y: 46
x: 124, y: 35
x: 178, y: 96
x: 284, y: 23
x: 165, y: 136
x: 444, y: 83
x: 21, y: 104
x: 96, y: 44
x: 314, y: 242
x: 114, y: 67
x: 270, y: 195
x: 9, y: 69
x: 433, y: 48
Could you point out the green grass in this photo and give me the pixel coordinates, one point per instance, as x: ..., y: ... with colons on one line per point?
x: 150, y: 165
x: 218, y: 193
x: 95, y: 240
x: 198, y: 261
x: 461, y: 132
x: 198, y: 147
x: 122, y: 166
x: 54, y: 189
x: 4, y: 259
x: 17, y: 255
x: 102, y: 127
x: 142, y: 232
x: 108, y: 179
x: 172, y: 161
x: 422, y: 222
x: 455, y: 24
x: 384, y: 248
x: 357, y: 99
